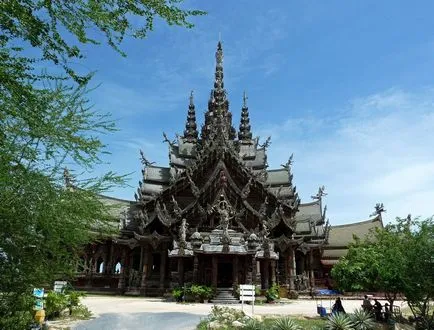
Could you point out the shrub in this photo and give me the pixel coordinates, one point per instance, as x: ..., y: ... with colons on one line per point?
x: 293, y: 295
x: 285, y: 323
x: 272, y: 293
x: 201, y: 292
x: 55, y: 303
x: 339, y: 321
x: 254, y: 324
x: 362, y: 320
x: 177, y: 293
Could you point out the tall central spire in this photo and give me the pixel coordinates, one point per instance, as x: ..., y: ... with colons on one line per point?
x: 218, y: 118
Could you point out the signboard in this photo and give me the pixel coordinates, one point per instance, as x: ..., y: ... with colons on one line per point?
x: 38, y: 293
x: 39, y: 305
x: 59, y: 286
x: 247, y: 293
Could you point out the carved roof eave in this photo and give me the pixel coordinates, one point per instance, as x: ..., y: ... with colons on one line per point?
x: 153, y: 239
x: 284, y: 242
x: 131, y: 242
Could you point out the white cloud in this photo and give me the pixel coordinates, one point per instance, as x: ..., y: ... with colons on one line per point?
x: 378, y: 149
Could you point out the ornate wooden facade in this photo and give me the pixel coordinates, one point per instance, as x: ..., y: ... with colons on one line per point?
x: 215, y: 216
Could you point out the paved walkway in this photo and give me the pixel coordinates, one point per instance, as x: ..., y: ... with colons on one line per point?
x: 144, y: 313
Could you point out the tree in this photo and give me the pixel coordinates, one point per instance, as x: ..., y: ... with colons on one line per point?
x: 395, y: 260
x: 47, y: 122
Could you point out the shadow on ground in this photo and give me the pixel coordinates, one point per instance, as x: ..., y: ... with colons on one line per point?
x: 130, y: 321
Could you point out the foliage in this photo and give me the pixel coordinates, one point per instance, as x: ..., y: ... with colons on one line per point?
x: 339, y: 321
x: 55, y: 303
x: 46, y: 122
x: 200, y: 292
x: 254, y: 324
x: 362, y: 320
x: 292, y: 295
x: 220, y: 313
x: 272, y: 294
x: 45, y: 25
x: 178, y: 293
x: 81, y: 312
x: 285, y: 323
x: 394, y: 260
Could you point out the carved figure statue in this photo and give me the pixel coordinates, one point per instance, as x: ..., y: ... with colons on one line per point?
x: 379, y: 208
x: 144, y: 160
x: 266, y: 144
x: 224, y: 211
x: 287, y: 165
x: 321, y: 192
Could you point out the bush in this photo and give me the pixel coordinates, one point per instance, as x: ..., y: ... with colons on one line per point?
x: 285, y: 323
x: 177, y: 293
x: 362, y: 320
x: 339, y: 321
x: 293, y: 295
x: 55, y: 303
x: 201, y: 292
x: 272, y: 293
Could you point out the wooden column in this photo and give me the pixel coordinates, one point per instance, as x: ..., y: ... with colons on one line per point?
x: 266, y: 273
x: 145, y: 271
x: 123, y: 270
x: 214, y: 271
x: 312, y: 275
x: 291, y: 268
x: 163, y: 259
x: 235, y: 271
x: 273, y: 272
x: 254, y: 270
x: 195, y: 269
x: 141, y: 257
x: 285, y: 264
x: 181, y: 271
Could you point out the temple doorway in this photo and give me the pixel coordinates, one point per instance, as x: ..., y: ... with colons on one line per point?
x: 225, y: 275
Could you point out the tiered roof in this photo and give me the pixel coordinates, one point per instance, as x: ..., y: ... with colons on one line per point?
x: 215, y: 178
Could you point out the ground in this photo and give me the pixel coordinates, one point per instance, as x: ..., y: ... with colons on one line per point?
x: 124, y: 313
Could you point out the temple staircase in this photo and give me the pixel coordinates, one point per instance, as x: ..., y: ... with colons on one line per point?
x: 224, y: 296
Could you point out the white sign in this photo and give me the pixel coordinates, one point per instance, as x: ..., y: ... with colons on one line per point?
x: 247, y: 293
x: 59, y: 286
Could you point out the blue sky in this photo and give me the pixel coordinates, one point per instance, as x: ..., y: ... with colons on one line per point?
x: 347, y: 86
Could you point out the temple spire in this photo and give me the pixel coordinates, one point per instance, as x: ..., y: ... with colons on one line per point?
x: 218, y: 119
x: 245, y: 134
x: 190, y: 132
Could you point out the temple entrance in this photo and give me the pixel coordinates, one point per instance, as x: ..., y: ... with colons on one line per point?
x: 225, y: 276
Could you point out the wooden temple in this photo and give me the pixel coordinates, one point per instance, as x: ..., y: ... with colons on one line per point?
x: 215, y: 216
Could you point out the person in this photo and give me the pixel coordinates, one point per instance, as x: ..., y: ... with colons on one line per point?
x: 386, y: 312
x: 367, y: 306
x: 337, y: 307
x: 377, y: 309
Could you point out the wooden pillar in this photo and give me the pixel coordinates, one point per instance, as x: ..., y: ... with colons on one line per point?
x: 273, y: 272
x: 292, y: 268
x: 285, y: 264
x: 145, y: 271
x: 312, y: 275
x: 266, y: 273
x: 214, y: 271
x: 235, y: 271
x: 163, y: 259
x: 195, y: 269
x: 141, y: 257
x: 181, y: 270
x: 123, y: 270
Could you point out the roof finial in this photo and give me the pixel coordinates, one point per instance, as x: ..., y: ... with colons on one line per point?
x: 190, y: 132
x: 191, y: 97
x: 220, y: 37
x: 244, y: 133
